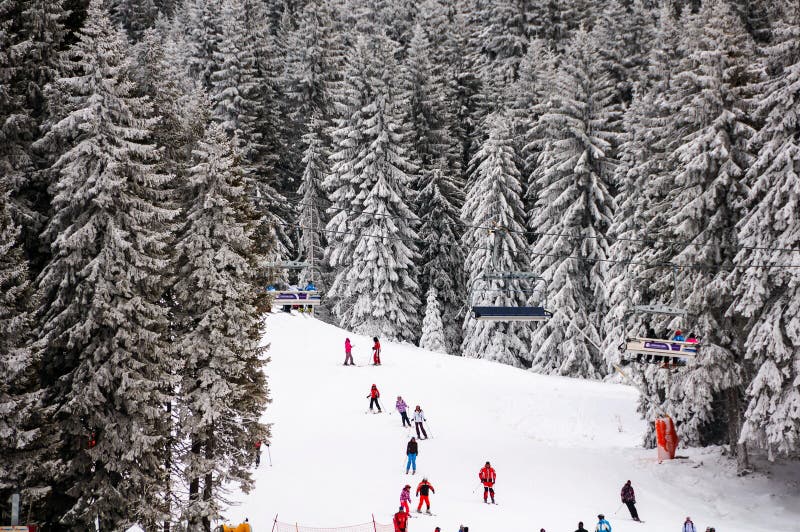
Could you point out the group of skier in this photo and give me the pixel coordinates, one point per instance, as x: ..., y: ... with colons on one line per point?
x: 419, y: 417
x: 348, y: 352
x: 486, y: 475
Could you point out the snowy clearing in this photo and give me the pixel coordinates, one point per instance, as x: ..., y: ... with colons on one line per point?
x: 562, y: 447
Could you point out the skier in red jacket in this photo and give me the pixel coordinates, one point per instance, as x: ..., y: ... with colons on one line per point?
x: 376, y: 352
x: 374, y: 394
x: 400, y: 520
x: 487, y: 476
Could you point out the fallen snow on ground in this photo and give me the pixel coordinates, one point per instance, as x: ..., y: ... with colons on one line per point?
x: 562, y: 448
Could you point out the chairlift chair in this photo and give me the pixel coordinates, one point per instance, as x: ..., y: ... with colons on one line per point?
x: 508, y: 312
x: 669, y: 352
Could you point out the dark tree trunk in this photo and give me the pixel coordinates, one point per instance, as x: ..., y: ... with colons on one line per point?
x: 194, y: 485
x: 208, y: 488
x: 739, y: 450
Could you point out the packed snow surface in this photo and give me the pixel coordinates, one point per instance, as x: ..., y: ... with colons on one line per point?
x: 562, y: 447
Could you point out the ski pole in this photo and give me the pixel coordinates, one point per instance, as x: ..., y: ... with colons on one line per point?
x: 269, y: 454
x: 618, y: 509
x: 429, y: 427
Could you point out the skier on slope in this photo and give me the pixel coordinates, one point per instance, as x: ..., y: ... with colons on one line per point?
x: 257, y: 448
x: 376, y: 352
x: 629, y: 499
x: 419, y: 419
x: 411, y: 453
x: 405, y: 498
x: 348, y: 352
x: 688, y: 526
x: 400, y: 520
x: 580, y: 527
x: 602, y: 524
x: 422, y: 492
x: 373, y: 395
x: 487, y: 476
x: 402, y: 407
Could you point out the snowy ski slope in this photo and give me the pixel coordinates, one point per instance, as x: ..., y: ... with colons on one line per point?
x: 562, y: 448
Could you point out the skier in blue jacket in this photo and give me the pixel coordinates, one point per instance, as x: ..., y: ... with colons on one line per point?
x: 602, y: 524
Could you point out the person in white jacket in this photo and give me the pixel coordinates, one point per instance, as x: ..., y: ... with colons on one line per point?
x: 419, y: 418
x: 688, y: 526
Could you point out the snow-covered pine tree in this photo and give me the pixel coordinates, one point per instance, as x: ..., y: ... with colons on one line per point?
x: 106, y: 363
x: 452, y: 77
x: 765, y: 294
x: 135, y: 16
x: 573, y: 211
x: 627, y: 228
x: 642, y: 171
x: 381, y: 280
x: 244, y: 104
x: 429, y: 114
x: 438, y: 186
x: 340, y: 183
x: 432, y: 327
x: 182, y: 107
x: 554, y: 22
x: 624, y: 32
x: 499, y: 43
x: 31, y: 35
x: 233, y: 83
x: 439, y: 204
x: 467, y: 96
x: 183, y: 111
x: 495, y: 239
x: 534, y: 88
x: 223, y: 388
x: 198, y: 32
x: 703, y: 193
x: 313, y: 203
x: 18, y: 387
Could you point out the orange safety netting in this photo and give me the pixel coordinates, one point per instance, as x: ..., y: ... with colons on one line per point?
x: 293, y: 527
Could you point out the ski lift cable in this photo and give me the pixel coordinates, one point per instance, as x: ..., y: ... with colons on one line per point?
x: 658, y: 264
x: 531, y: 233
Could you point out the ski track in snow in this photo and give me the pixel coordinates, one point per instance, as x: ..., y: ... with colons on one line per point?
x: 555, y: 442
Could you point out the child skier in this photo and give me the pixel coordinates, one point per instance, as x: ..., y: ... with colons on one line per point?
x: 400, y: 520
x: 487, y: 477
x: 602, y: 524
x: 422, y: 492
x: 405, y: 498
x: 373, y: 395
x: 348, y: 352
x: 419, y: 418
x: 376, y: 352
x: 402, y: 407
x: 411, y: 453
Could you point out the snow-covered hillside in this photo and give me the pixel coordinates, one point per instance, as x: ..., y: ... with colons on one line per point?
x: 562, y: 447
